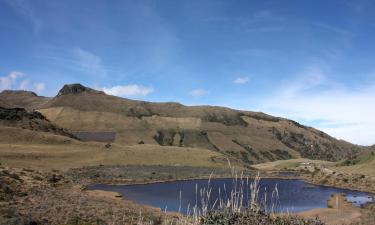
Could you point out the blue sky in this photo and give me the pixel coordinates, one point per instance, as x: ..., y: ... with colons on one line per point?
x: 311, y: 61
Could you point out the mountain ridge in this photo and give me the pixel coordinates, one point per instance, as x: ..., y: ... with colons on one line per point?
x: 252, y: 137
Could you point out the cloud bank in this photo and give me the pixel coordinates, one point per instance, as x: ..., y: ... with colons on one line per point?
x: 12, y: 82
x: 197, y: 92
x: 132, y: 90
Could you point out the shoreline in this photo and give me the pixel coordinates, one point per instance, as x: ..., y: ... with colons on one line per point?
x: 372, y: 194
x: 306, y: 180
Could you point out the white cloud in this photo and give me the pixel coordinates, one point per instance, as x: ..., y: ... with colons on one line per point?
x: 197, y: 92
x: 7, y: 82
x: 39, y: 87
x: 346, y: 113
x: 89, y: 62
x: 132, y: 90
x: 14, y: 75
x: 23, y: 85
x: 11, y: 81
x: 241, y: 80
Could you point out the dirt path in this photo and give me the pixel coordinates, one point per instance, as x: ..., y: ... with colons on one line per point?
x: 340, y: 212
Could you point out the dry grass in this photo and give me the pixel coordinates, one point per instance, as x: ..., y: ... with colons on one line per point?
x: 366, y: 168
x: 288, y: 164
x: 73, y: 155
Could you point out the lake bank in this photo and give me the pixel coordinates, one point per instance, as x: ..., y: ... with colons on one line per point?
x: 165, y: 195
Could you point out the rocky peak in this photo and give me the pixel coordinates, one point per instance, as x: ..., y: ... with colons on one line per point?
x: 75, y: 89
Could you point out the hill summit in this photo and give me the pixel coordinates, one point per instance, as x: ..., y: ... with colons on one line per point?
x: 75, y: 89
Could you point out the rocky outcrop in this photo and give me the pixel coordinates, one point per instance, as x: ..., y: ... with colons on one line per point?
x: 20, y: 118
x: 75, y: 89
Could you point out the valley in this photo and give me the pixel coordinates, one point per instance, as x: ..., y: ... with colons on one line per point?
x: 83, y: 136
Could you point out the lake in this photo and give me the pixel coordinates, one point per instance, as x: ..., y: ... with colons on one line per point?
x: 294, y: 195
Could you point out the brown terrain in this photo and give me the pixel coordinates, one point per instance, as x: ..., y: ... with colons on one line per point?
x: 50, y: 148
x: 249, y: 137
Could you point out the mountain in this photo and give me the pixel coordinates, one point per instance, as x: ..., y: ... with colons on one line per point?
x: 251, y: 137
x: 21, y: 99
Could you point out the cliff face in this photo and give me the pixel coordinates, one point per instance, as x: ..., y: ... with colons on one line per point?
x: 251, y: 137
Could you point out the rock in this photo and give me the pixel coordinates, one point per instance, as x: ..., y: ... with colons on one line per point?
x: 118, y: 195
x: 75, y: 89
x: 54, y: 178
x: 83, y: 187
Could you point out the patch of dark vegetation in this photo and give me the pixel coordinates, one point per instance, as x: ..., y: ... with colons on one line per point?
x: 267, y: 155
x: 17, y: 114
x: 21, y: 118
x: 245, y: 158
x: 165, y: 138
x: 350, y: 162
x: 184, y: 138
x: 313, y: 149
x: 296, y: 124
x: 181, y: 141
x: 252, y: 218
x: 226, y: 119
x: 140, y: 111
x: 251, y: 154
x: 263, y: 116
x: 249, y: 149
x: 281, y: 154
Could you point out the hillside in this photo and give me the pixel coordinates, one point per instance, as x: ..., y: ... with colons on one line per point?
x: 21, y: 99
x: 362, y: 164
x: 251, y: 137
x: 19, y: 118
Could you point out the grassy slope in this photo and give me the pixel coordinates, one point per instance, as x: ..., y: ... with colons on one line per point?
x: 365, y: 166
x: 288, y: 164
x: 45, y: 151
x: 22, y: 99
x: 249, y: 136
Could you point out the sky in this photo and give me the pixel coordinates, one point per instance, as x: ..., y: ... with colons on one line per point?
x: 310, y: 61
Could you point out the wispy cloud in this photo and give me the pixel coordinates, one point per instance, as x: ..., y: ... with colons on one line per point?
x: 24, y: 85
x: 39, y: 87
x: 77, y: 59
x: 263, y: 21
x: 7, y: 82
x: 12, y: 81
x: 89, y: 62
x: 132, y: 90
x: 346, y: 113
x: 334, y: 29
x: 198, y: 92
x: 25, y: 9
x: 265, y: 29
x: 359, y: 6
x: 241, y: 80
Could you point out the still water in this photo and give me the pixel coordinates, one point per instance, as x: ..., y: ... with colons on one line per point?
x: 293, y: 195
